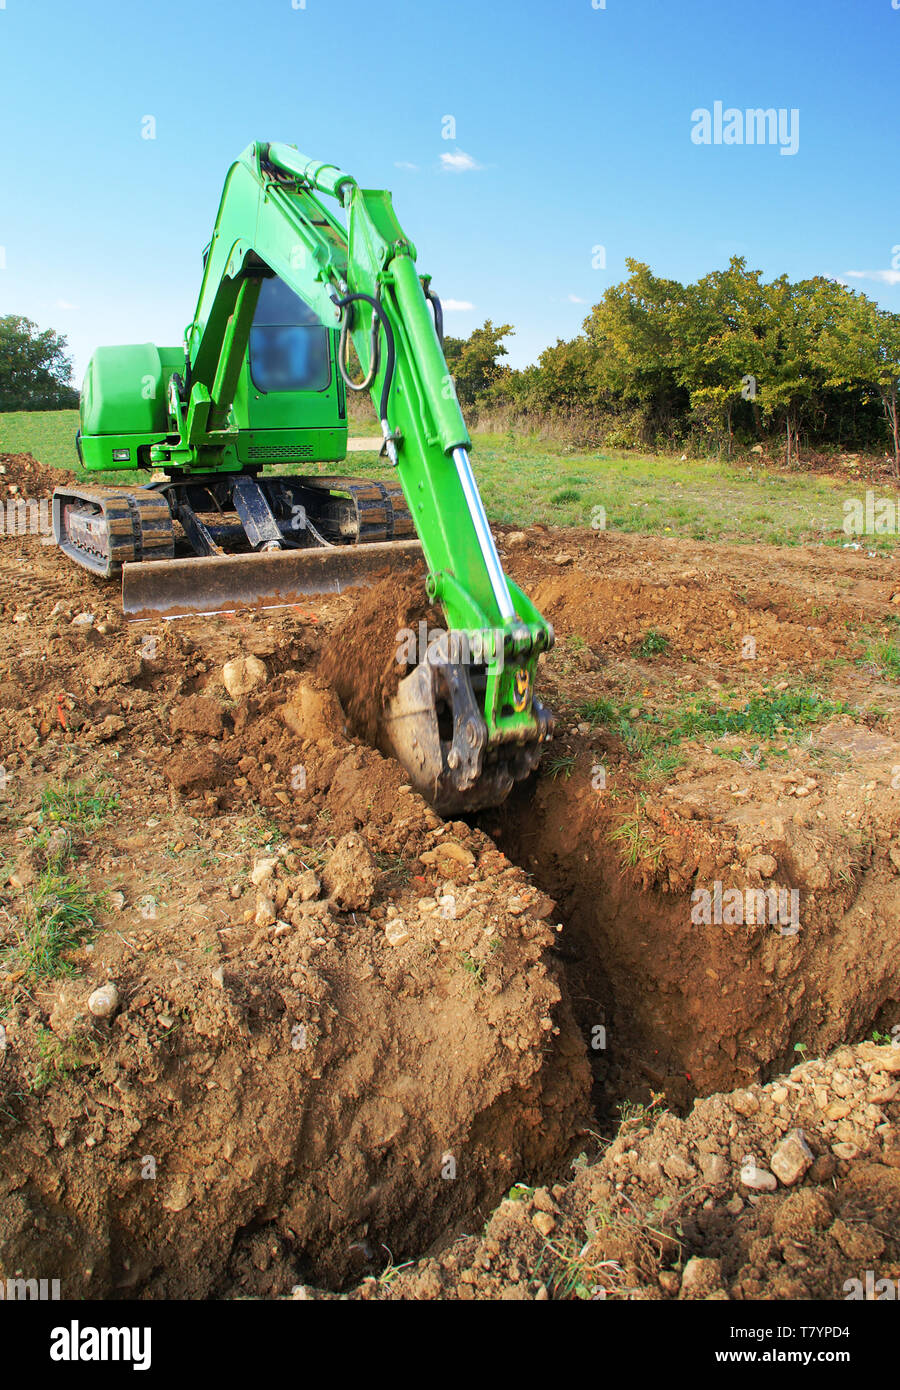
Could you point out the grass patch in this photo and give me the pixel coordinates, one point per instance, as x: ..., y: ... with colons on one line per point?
x: 59, y: 913
x: 654, y: 644
x: 48, y: 435
x: 59, y: 1057
x: 523, y: 479
x: 561, y: 766
x: 85, y: 804
x: 395, y: 868
x: 763, y: 715
x: 473, y: 967
x: 884, y: 655
x: 58, y: 909
x: 637, y: 839
x: 653, y: 739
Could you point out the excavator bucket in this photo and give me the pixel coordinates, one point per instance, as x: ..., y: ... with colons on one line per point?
x: 269, y: 579
x: 433, y: 726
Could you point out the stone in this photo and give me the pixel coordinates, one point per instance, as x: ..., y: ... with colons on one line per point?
x: 715, y: 1168
x: 677, y: 1167
x: 265, y: 911
x: 758, y: 1179
x: 262, y: 872
x: 244, y: 674
x: 883, y: 1058
x: 764, y: 864
x: 791, y: 1158
x: 396, y: 931
x: 543, y: 1222
x: 309, y: 886
x: 104, y: 1001
x: 350, y: 874
x: 745, y: 1103
x: 701, y: 1277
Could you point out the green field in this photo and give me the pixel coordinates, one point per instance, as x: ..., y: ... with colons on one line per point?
x: 48, y: 435
x: 525, y: 479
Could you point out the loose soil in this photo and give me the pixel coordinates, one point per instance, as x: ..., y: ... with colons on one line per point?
x: 344, y: 1028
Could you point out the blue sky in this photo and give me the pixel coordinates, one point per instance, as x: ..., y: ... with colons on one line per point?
x: 573, y: 131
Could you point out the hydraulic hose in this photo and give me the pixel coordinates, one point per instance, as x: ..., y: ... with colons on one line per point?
x: 378, y: 316
x: 438, y: 311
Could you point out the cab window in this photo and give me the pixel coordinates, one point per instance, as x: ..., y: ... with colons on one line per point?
x: 288, y: 344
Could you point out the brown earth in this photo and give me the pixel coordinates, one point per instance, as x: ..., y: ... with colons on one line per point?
x: 678, y: 1209
x: 345, y: 1028
x: 21, y: 475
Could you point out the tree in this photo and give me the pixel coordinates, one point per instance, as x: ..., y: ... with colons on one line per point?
x: 718, y: 333
x: 887, y: 376
x: 859, y: 347
x: 473, y: 361
x: 631, y: 333
x: 35, y: 372
x: 792, y: 375
x: 630, y: 336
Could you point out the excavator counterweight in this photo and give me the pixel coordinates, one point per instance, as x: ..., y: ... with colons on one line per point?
x: 261, y: 384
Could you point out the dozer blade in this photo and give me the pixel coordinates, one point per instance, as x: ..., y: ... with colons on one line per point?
x: 434, y: 728
x: 268, y: 579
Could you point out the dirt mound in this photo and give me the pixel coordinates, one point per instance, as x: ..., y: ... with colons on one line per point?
x: 21, y: 475
x: 800, y: 605
x: 361, y: 661
x: 687, y: 1209
x: 339, y: 1029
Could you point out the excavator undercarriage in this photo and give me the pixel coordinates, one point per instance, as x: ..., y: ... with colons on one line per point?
x: 116, y: 531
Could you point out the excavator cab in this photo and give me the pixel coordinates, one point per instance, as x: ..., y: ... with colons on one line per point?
x: 290, y: 403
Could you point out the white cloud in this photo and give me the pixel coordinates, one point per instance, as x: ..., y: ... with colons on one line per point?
x: 456, y: 306
x: 64, y: 304
x: 405, y: 164
x: 458, y: 162
x: 884, y: 277
x: 574, y: 299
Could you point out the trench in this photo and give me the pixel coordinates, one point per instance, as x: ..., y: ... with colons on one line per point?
x: 661, y: 1010
x: 665, y: 1007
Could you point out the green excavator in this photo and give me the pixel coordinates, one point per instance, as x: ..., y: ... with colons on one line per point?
x: 262, y: 380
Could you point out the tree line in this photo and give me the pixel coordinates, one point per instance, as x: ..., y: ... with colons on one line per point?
x: 725, y: 362
x: 728, y: 361
x: 35, y: 370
